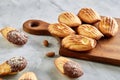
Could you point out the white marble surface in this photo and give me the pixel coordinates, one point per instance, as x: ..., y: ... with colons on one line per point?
x: 15, y: 12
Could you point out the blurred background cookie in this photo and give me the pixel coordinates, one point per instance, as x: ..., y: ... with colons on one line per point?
x: 28, y: 76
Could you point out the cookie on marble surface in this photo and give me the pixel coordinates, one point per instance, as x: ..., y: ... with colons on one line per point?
x: 14, y: 36
x: 13, y: 66
x: 68, y: 67
x: 28, y: 76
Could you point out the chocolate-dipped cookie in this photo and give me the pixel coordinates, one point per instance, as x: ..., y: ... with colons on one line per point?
x: 68, y: 67
x: 14, y: 36
x: 72, y: 69
x: 13, y: 65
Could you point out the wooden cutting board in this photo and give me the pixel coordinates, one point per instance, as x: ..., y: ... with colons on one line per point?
x: 106, y: 51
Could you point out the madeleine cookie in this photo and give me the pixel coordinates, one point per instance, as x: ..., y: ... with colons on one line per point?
x: 89, y: 31
x: 69, y: 19
x: 89, y: 15
x: 78, y: 43
x: 108, y: 26
x: 28, y: 76
x: 68, y: 67
x: 60, y: 30
x: 13, y: 65
x: 14, y: 36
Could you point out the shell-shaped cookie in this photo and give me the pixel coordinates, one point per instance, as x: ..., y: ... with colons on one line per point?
x: 108, y: 26
x: 14, y: 36
x: 60, y: 30
x: 89, y: 31
x: 17, y: 63
x: 69, y: 19
x: 89, y: 15
x: 13, y: 66
x: 59, y: 63
x: 68, y: 67
x: 28, y: 76
x: 6, y: 30
x: 78, y: 43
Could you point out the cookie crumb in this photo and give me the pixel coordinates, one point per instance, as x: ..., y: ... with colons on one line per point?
x: 50, y: 54
x: 46, y: 43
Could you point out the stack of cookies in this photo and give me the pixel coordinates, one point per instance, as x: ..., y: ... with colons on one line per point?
x: 81, y: 32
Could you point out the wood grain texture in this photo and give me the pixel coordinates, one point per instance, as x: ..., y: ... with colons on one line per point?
x: 106, y: 51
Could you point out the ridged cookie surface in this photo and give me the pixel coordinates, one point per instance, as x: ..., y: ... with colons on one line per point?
x: 28, y: 76
x: 108, y: 26
x: 89, y: 15
x: 60, y: 30
x: 78, y: 43
x: 69, y: 19
x: 89, y: 31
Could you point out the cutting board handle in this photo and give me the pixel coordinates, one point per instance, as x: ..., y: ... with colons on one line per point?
x: 36, y: 27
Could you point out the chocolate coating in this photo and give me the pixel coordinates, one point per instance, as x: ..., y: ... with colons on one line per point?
x: 72, y: 69
x: 17, y: 63
x: 17, y: 37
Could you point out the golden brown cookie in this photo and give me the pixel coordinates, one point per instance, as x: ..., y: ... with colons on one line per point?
x: 13, y: 65
x: 89, y: 31
x: 89, y: 15
x: 68, y: 67
x: 60, y: 30
x: 69, y: 19
x: 14, y: 36
x: 78, y: 43
x: 108, y: 26
x: 28, y: 76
